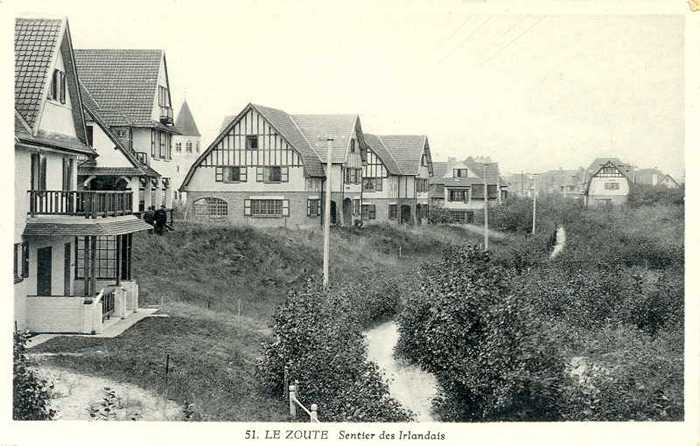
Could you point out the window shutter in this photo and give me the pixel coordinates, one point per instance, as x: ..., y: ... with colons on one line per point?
x: 259, y: 174
x: 308, y: 208
x: 285, y: 174
x: 266, y: 174
x: 25, y: 260
x: 285, y: 208
x: 62, y: 87
x: 246, y: 207
x: 243, y: 174
x: 219, y: 175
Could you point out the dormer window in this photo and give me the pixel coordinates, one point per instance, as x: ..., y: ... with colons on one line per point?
x: 251, y: 142
x: 459, y: 173
x: 352, y: 145
x: 57, y: 92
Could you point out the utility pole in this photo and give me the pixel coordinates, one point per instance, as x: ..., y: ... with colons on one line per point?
x: 327, y: 214
x: 534, y: 201
x: 486, y: 212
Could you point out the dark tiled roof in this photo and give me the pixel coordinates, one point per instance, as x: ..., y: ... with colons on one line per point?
x: 375, y: 145
x: 439, y: 169
x: 227, y: 120
x: 185, y: 121
x: 599, y: 162
x: 407, y: 151
x: 36, y: 43
x: 57, y: 140
x: 79, y: 226
x: 110, y: 171
x: 122, y: 80
x: 477, y: 168
x: 22, y: 129
x: 340, y: 127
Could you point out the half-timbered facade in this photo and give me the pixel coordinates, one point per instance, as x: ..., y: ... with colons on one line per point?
x: 132, y: 89
x: 267, y: 168
x: 72, y: 248
x: 608, y: 183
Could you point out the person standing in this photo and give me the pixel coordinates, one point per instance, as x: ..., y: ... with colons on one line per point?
x: 161, y: 219
x: 149, y: 217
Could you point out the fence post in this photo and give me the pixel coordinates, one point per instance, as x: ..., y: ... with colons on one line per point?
x: 286, y: 381
x: 292, y: 401
x: 314, y: 412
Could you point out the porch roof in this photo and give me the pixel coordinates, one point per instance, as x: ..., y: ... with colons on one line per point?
x: 111, y: 171
x: 79, y: 226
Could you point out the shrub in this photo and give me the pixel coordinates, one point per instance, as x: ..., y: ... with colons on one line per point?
x: 31, y: 393
x: 481, y: 341
x: 319, y: 342
x: 647, y: 195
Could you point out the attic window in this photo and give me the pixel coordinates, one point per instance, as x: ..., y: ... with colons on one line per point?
x: 352, y: 145
x: 251, y: 142
x: 88, y: 129
x: 459, y: 173
x: 424, y: 160
x: 57, y: 92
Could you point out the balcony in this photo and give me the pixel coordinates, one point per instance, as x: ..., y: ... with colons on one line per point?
x: 88, y: 204
x: 166, y: 115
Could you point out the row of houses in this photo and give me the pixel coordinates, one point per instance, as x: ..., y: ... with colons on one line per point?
x: 605, y: 183
x: 94, y: 138
x: 268, y: 167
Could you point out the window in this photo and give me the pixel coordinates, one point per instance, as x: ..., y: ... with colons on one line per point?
x: 369, y: 212
x: 161, y: 144
x: 163, y: 96
x: 188, y: 147
x: 313, y: 185
x: 612, y: 186
x: 457, y: 195
x: 67, y: 173
x: 38, y: 173
x: 372, y: 184
x: 266, y: 208
x: 492, y: 190
x: 393, y: 211
x: 477, y: 191
x: 57, y: 92
x: 352, y: 175
x: 197, y: 146
x: 424, y: 160
x: 273, y: 174
x: 178, y: 147
x: 231, y: 174
x: 169, y: 145
x: 352, y: 145
x: 21, y: 263
x: 121, y: 132
x: 153, y: 143
x: 421, y: 185
x: 459, y: 173
x: 251, y: 142
x: 313, y: 207
x: 88, y: 134
x: 105, y: 257
x: 210, y: 207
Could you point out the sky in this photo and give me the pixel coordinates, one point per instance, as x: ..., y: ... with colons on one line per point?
x: 533, y: 92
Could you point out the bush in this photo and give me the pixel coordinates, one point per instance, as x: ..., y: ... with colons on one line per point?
x: 319, y: 342
x: 481, y: 341
x: 647, y: 195
x: 31, y: 393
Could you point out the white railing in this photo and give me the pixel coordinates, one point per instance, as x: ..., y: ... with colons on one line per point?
x: 294, y: 402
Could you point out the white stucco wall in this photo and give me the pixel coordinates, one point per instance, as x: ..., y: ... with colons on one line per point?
x: 57, y: 117
x: 597, y: 187
x: 109, y: 155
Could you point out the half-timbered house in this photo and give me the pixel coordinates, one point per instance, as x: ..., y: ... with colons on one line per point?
x: 132, y: 89
x: 72, y: 252
x: 607, y: 183
x: 395, y: 179
x: 267, y: 168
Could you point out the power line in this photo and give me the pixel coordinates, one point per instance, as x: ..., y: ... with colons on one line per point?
x: 469, y: 36
x: 504, y: 40
x: 515, y: 39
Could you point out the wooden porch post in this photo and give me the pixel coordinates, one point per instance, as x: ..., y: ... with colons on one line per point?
x: 86, y: 262
x: 119, y: 259
x: 93, y: 255
x: 128, y: 259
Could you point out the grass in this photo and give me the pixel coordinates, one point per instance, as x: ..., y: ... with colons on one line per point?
x: 202, y: 273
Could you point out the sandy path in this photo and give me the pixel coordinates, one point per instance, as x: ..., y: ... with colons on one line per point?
x: 561, y: 242
x: 408, y: 384
x: 75, y: 392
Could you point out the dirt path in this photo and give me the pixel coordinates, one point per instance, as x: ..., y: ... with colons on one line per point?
x: 408, y: 384
x: 75, y: 392
x: 561, y: 242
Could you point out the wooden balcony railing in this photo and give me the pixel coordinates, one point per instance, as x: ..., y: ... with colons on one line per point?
x: 106, y: 296
x: 89, y: 204
x: 166, y: 115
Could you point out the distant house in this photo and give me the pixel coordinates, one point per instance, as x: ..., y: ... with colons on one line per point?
x: 186, y: 146
x: 267, y: 168
x: 654, y: 177
x: 458, y: 186
x: 608, y: 183
x: 72, y: 251
x: 564, y: 182
x: 132, y: 90
x: 395, y: 179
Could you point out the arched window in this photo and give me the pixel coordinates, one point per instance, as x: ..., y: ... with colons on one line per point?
x: 188, y: 146
x: 210, y: 207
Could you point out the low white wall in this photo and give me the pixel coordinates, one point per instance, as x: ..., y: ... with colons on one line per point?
x: 62, y: 315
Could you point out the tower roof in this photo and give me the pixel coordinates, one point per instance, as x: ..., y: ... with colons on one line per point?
x: 185, y: 121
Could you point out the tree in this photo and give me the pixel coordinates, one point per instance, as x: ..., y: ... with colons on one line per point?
x: 31, y: 393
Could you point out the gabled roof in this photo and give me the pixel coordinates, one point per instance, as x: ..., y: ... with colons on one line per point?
x: 595, y: 166
x: 668, y: 176
x: 377, y: 146
x: 93, y: 110
x: 477, y: 168
x: 439, y: 170
x: 38, y: 42
x: 226, y: 121
x: 185, y: 121
x: 36, y: 45
x: 123, y: 81
x: 316, y: 127
x: 407, y: 150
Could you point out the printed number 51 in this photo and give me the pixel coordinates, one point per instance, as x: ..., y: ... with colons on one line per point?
x: 250, y: 435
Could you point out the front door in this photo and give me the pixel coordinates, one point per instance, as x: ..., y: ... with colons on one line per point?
x: 43, y: 272
x: 347, y: 212
x: 405, y: 214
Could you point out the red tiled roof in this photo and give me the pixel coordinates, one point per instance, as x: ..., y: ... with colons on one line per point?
x: 122, y: 80
x: 185, y: 121
x: 36, y: 43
